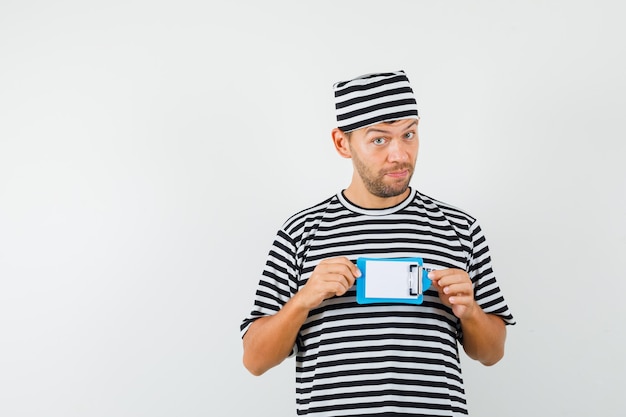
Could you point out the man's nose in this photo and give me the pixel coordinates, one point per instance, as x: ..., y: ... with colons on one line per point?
x: 397, y: 152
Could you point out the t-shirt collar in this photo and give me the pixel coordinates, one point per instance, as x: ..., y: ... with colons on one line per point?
x: 375, y: 211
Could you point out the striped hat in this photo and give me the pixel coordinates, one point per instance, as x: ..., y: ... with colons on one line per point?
x: 374, y: 98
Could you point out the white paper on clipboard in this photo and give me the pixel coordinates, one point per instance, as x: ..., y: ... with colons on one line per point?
x: 391, y: 280
x: 388, y: 279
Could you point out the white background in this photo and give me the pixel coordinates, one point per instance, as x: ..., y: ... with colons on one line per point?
x: 150, y: 149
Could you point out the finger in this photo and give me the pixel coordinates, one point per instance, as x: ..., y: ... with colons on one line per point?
x: 460, y: 300
x: 437, y: 275
x: 336, y: 284
x: 341, y: 288
x: 462, y: 289
x: 453, y: 276
x: 434, y: 275
x: 346, y: 281
x: 354, y: 270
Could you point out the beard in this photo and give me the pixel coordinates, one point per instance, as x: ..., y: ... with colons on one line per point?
x: 375, y: 182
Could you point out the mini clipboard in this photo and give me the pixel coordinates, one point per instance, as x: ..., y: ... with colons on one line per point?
x: 391, y: 280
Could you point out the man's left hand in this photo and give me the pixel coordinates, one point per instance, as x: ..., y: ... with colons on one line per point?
x: 455, y: 290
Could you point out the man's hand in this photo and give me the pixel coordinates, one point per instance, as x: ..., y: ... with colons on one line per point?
x: 331, y: 277
x: 483, y: 334
x: 455, y: 290
x: 270, y: 339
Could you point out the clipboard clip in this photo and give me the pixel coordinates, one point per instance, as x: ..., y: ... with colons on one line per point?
x: 416, y: 274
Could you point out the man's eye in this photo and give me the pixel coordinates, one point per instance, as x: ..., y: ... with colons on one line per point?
x: 379, y: 141
x: 409, y: 135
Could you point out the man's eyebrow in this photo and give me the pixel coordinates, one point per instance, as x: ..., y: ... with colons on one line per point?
x: 374, y: 130
x: 377, y: 130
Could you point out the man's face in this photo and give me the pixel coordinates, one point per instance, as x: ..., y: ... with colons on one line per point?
x: 384, y: 156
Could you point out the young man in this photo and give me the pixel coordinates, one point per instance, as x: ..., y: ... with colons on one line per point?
x: 359, y: 359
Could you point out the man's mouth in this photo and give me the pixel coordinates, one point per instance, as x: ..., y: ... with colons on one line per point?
x: 399, y: 173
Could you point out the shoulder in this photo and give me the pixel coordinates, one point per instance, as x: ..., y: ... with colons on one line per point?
x: 454, y: 214
x: 310, y: 214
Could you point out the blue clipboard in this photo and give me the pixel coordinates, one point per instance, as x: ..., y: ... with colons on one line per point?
x: 399, y: 280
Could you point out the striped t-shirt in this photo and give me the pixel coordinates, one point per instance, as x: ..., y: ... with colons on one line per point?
x: 378, y: 359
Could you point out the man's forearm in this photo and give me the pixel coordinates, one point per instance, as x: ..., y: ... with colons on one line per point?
x: 483, y: 337
x: 269, y: 340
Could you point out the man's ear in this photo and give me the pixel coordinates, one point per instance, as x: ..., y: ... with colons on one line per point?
x: 340, y: 140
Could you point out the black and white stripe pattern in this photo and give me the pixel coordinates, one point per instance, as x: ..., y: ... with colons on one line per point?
x: 374, y: 98
x: 378, y: 359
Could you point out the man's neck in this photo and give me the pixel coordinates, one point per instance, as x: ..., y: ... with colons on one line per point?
x: 363, y: 198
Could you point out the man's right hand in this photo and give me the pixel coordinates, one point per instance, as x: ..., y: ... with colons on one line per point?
x: 331, y: 277
x: 270, y: 339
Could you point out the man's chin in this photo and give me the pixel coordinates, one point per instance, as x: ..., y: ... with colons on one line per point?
x: 393, y: 191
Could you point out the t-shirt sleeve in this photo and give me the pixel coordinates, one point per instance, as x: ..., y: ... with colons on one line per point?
x: 486, y: 289
x: 278, y: 282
